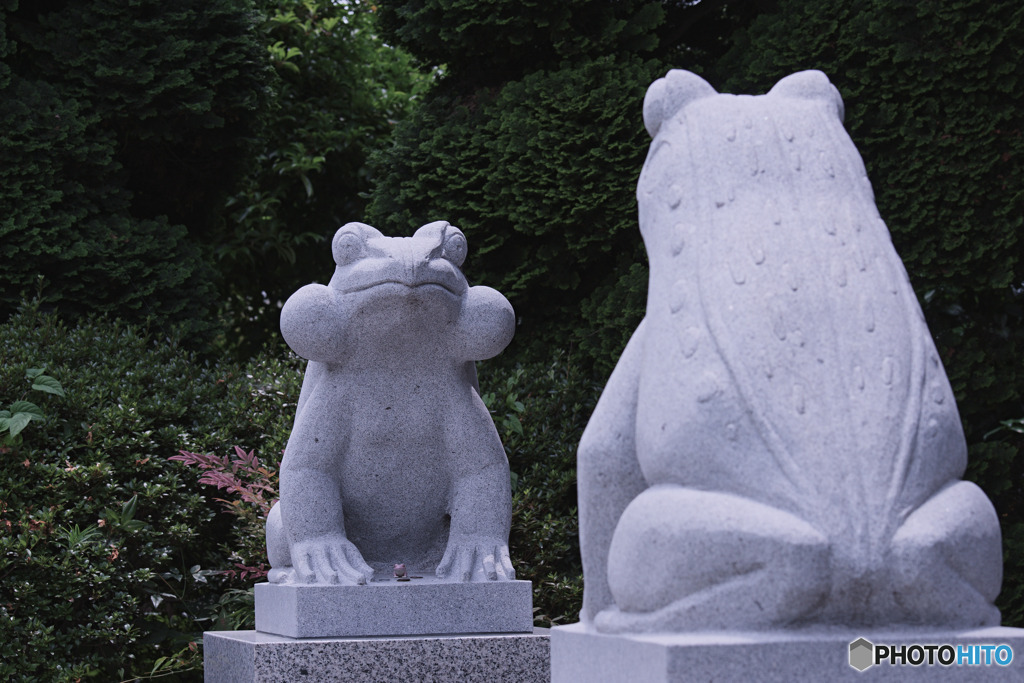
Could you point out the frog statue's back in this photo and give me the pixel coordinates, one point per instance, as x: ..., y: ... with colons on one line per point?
x: 779, y: 444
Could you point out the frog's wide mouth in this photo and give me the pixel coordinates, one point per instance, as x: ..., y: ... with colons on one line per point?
x: 428, y: 284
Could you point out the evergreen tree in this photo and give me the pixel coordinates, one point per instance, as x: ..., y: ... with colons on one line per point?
x: 337, y: 91
x: 125, y: 126
x: 532, y: 142
x: 933, y: 102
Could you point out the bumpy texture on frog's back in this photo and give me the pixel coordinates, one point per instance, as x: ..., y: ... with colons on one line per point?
x: 778, y: 444
x: 775, y: 276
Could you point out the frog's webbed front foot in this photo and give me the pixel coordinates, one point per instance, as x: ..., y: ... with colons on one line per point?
x: 329, y: 559
x: 475, y: 558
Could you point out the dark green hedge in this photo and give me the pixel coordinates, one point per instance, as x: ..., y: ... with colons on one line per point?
x: 540, y: 410
x: 78, y: 572
x: 495, y: 41
x: 528, y: 171
x: 125, y: 126
x: 106, y: 546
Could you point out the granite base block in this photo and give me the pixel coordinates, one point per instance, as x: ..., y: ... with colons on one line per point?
x: 425, y: 606
x: 254, y: 657
x: 582, y: 654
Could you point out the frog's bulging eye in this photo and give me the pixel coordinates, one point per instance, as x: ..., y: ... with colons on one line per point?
x: 347, y: 247
x: 455, y: 248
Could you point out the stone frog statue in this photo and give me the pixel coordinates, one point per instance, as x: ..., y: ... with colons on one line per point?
x: 778, y: 446
x: 393, y: 457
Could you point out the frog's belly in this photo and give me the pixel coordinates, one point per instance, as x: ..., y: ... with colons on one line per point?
x: 395, y: 484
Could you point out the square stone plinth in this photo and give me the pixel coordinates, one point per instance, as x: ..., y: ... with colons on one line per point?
x: 422, y: 606
x: 581, y: 654
x: 253, y: 657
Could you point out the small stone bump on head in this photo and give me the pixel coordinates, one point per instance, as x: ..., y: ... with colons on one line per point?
x: 678, y: 299
x: 689, y: 340
x: 678, y: 238
x: 675, y: 195
x: 799, y: 400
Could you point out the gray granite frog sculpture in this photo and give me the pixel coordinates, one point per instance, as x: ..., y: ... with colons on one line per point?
x: 778, y: 445
x: 393, y: 457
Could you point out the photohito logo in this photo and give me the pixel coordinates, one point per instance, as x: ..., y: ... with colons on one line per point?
x: 865, y: 654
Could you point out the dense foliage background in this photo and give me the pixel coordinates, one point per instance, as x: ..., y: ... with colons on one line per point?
x: 107, y: 548
x: 125, y: 127
x: 179, y: 165
x: 336, y: 93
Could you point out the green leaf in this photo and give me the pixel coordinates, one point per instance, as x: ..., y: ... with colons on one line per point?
x: 18, y: 423
x: 75, y: 536
x: 1016, y: 425
x: 48, y: 384
x: 32, y: 373
x: 29, y: 408
x: 158, y: 664
x: 514, y: 423
x: 128, y: 509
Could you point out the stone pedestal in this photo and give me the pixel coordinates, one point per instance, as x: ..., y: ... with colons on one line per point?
x: 420, y: 630
x: 421, y: 606
x: 579, y: 654
x: 254, y: 657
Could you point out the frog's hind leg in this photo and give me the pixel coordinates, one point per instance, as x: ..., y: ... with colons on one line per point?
x: 278, y: 554
x: 683, y: 559
x: 947, y: 560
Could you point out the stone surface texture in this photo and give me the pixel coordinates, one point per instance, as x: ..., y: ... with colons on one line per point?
x: 778, y: 446
x: 421, y: 606
x: 253, y: 657
x: 582, y: 654
x: 393, y: 457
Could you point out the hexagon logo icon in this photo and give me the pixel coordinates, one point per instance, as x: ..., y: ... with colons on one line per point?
x: 862, y: 654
